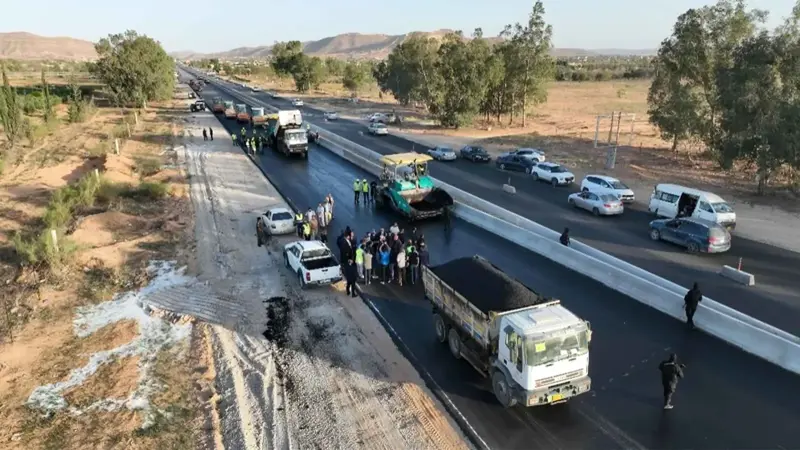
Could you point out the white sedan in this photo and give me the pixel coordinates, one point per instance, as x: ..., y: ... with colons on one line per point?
x: 528, y: 153
x: 273, y: 222
x: 331, y: 115
x: 297, y: 102
x: 603, y: 184
x: 552, y: 173
x: 255, y: 89
x: 378, y: 129
x: 598, y: 204
x: 441, y: 153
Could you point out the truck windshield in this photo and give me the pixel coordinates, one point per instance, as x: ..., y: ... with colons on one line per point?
x: 296, y: 136
x: 549, y: 350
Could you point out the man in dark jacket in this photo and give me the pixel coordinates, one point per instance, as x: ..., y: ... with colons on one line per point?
x: 690, y: 302
x: 671, y: 372
x: 424, y: 256
x: 350, y: 277
x: 413, y: 264
x: 564, y: 239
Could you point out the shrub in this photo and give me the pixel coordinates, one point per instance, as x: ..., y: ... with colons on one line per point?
x: 40, y: 248
x: 151, y: 191
x: 146, y: 167
x: 64, y: 201
x: 34, y: 132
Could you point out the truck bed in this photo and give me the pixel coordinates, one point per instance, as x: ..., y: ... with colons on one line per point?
x: 485, y: 286
x: 314, y: 264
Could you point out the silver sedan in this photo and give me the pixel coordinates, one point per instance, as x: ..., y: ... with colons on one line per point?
x: 598, y: 204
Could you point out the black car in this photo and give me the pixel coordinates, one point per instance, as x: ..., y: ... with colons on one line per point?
x: 514, y: 163
x: 475, y: 154
x: 696, y: 235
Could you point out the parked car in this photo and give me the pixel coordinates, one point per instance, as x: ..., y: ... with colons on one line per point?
x: 475, y: 154
x: 312, y: 262
x: 331, y: 115
x: 602, y: 184
x: 553, y: 173
x: 671, y: 200
x: 514, y: 163
x: 378, y: 129
x: 598, y: 204
x: 297, y: 102
x: 273, y: 222
x: 697, y: 235
x: 255, y: 89
x: 441, y: 153
x: 529, y: 153
x: 198, y: 106
x: 382, y: 118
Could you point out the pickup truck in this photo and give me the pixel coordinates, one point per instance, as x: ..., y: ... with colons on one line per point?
x: 533, y: 349
x: 198, y: 106
x: 313, y: 262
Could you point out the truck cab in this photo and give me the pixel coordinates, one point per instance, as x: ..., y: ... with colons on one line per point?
x: 286, y: 133
x: 218, y: 105
x: 258, y: 118
x: 545, y: 354
x: 230, y: 111
x: 241, y: 113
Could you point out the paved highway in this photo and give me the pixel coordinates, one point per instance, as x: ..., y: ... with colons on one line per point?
x: 729, y: 399
x: 775, y: 299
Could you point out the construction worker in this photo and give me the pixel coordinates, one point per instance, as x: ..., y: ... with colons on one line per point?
x: 253, y: 144
x: 306, y: 231
x: 244, y: 133
x: 356, y: 189
x: 365, y: 190
x: 298, y: 223
x: 233, y: 138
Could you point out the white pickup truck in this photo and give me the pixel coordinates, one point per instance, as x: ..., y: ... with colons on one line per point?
x: 313, y: 263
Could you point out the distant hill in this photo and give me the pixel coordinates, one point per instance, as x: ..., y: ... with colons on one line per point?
x: 375, y: 46
x: 27, y: 46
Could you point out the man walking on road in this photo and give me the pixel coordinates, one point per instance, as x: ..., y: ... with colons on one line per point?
x: 211, y: 133
x: 233, y: 139
x: 564, y: 239
x: 350, y: 277
x: 671, y: 372
x: 356, y: 190
x: 205, y: 135
x: 690, y: 302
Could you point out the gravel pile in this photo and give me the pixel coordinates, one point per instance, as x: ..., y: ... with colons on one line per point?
x: 485, y: 285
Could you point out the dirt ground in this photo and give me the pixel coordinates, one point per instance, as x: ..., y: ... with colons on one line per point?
x: 103, y: 250
x: 564, y: 127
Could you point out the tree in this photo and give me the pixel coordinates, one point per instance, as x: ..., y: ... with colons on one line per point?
x: 410, y: 70
x: 531, y: 64
x: 335, y: 66
x: 135, y: 68
x: 48, y: 102
x: 76, y: 110
x: 10, y: 110
x: 287, y: 57
x: 702, y: 44
x: 355, y: 75
x: 308, y: 73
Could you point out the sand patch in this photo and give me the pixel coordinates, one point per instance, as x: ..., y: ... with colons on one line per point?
x: 107, y: 228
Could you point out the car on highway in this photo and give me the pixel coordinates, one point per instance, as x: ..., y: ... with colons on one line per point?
x: 273, y: 222
x: 313, y: 263
x: 297, y: 102
x: 379, y: 118
x: 442, y: 153
x: 331, y: 115
x: 696, y: 235
x: 475, y: 154
x: 514, y: 163
x: 528, y: 153
x: 602, y: 184
x: 255, y: 89
x: 378, y: 129
x: 553, y: 173
x: 597, y: 204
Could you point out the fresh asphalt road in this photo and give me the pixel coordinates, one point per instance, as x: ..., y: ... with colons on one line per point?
x: 774, y: 299
x: 729, y: 399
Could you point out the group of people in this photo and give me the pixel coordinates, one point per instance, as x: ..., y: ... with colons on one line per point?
x: 253, y: 143
x: 364, y: 191
x: 208, y: 133
x: 313, y: 224
x: 386, y: 256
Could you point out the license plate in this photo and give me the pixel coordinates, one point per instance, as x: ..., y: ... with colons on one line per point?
x: 556, y: 397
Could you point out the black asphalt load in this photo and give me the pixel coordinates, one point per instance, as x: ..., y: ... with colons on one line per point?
x: 729, y: 399
x: 774, y: 299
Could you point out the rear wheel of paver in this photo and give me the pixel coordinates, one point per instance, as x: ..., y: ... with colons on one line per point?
x: 502, y: 390
x: 454, y: 342
x: 441, y: 328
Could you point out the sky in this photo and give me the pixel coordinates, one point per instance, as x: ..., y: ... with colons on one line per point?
x: 209, y: 26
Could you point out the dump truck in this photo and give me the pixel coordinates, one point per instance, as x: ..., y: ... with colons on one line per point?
x: 242, y: 115
x: 286, y: 134
x: 258, y: 118
x: 230, y: 111
x: 405, y: 187
x: 217, y: 105
x: 533, y: 349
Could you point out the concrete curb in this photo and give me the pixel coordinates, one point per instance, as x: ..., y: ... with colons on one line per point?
x: 732, y: 273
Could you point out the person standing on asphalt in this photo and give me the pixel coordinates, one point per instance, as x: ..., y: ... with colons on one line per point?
x: 350, y: 277
x: 233, y: 139
x: 690, y: 302
x: 365, y: 190
x: 671, y: 372
x: 394, y: 249
x: 413, y: 265
x: 401, y: 267
x: 368, y: 262
x: 211, y: 133
x: 424, y: 256
x: 394, y: 229
x: 298, y: 222
x: 306, y: 231
x: 446, y: 217
x: 356, y: 190
x: 360, y: 260
x: 564, y: 239
x: 385, y: 256
x: 205, y: 135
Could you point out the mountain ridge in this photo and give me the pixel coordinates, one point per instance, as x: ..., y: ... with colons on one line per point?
x: 22, y: 45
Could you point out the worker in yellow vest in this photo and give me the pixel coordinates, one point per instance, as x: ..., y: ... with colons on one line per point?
x: 298, y: 223
x: 307, y: 231
x: 356, y: 189
x: 365, y: 190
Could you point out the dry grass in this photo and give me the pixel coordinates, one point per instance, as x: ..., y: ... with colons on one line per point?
x: 136, y: 215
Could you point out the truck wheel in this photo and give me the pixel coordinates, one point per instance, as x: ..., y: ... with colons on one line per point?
x: 502, y: 390
x: 441, y: 328
x: 454, y: 342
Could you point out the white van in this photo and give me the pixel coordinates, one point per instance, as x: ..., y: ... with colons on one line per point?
x: 671, y: 200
